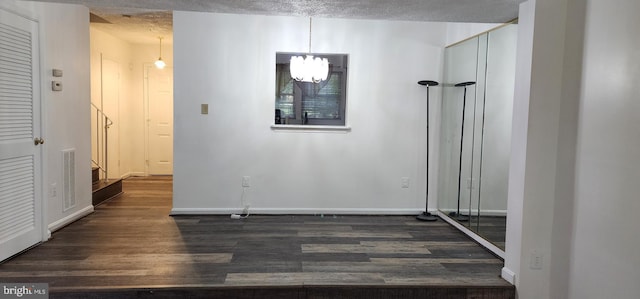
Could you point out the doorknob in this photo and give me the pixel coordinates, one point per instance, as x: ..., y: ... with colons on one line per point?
x: 37, y: 141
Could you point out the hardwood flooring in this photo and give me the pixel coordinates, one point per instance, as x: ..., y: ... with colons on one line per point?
x: 131, y: 248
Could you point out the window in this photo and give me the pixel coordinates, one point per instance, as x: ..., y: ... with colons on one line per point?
x: 306, y: 103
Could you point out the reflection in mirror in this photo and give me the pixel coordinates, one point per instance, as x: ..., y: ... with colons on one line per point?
x: 460, y: 66
x: 475, y: 137
x: 310, y: 103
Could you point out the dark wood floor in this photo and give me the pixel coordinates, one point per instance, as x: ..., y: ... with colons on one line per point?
x: 491, y: 228
x: 131, y: 248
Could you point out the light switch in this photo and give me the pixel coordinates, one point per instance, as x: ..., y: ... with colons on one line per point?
x: 57, y: 73
x: 204, y: 109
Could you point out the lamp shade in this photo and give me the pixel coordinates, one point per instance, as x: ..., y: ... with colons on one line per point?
x: 309, y: 69
x: 160, y: 63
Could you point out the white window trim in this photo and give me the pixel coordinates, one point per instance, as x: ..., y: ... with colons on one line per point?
x: 317, y: 128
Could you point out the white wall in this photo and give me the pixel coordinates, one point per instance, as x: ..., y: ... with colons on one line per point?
x: 64, y: 44
x: 535, y: 142
x: 606, y: 244
x: 572, y: 194
x: 227, y: 61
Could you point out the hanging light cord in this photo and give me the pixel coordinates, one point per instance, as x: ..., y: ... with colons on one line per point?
x: 309, y: 35
x: 160, y: 47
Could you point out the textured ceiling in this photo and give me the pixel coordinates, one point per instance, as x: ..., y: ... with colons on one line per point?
x: 136, y: 26
x: 145, y: 20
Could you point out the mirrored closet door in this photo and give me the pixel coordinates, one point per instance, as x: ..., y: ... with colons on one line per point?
x: 475, y: 136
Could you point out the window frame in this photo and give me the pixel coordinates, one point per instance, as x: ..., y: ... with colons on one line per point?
x: 338, y: 65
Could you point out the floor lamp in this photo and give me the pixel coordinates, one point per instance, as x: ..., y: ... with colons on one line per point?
x: 426, y: 216
x: 458, y: 216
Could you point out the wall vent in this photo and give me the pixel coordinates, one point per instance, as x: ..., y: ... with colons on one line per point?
x: 68, y: 179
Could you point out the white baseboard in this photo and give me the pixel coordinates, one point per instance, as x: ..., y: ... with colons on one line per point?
x: 293, y: 211
x: 493, y: 248
x: 71, y: 218
x: 500, y: 213
x: 509, y: 275
x: 137, y: 174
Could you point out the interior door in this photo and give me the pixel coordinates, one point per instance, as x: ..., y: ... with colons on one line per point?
x: 20, y: 150
x: 160, y: 120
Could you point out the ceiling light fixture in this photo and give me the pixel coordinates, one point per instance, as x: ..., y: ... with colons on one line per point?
x: 159, y: 63
x: 309, y: 69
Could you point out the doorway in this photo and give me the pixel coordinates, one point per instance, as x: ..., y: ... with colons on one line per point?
x: 159, y: 120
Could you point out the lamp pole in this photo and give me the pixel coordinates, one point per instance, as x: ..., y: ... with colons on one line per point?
x: 458, y: 216
x: 426, y: 216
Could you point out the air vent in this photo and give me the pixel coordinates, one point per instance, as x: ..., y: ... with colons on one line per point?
x: 69, y: 179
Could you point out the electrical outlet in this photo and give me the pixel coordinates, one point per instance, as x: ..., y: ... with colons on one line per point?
x: 536, y: 260
x: 246, y: 181
x: 404, y: 182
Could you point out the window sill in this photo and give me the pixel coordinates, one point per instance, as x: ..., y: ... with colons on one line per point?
x: 315, y: 128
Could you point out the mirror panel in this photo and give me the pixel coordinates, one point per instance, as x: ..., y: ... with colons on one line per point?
x: 475, y: 137
x: 496, y: 147
x: 460, y: 66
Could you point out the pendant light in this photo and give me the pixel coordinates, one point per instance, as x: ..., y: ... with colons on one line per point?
x: 160, y: 63
x: 309, y: 69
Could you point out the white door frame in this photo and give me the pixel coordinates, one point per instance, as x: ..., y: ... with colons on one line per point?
x: 44, y: 160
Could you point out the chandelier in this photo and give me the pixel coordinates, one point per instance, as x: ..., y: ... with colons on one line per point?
x: 309, y: 68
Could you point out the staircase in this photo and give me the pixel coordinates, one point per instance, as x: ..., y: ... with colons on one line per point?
x: 104, y: 189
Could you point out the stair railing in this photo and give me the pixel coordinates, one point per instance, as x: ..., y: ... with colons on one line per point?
x: 100, y: 141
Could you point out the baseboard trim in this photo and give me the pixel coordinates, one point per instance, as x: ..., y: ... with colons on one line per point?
x: 499, y: 213
x: 294, y: 211
x: 509, y: 275
x: 493, y: 248
x: 70, y: 219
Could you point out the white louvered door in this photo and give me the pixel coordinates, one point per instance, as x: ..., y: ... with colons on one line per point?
x: 20, y: 156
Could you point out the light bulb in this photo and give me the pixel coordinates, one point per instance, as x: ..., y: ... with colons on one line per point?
x: 160, y: 64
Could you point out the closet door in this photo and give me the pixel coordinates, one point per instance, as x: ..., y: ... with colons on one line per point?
x: 20, y: 140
